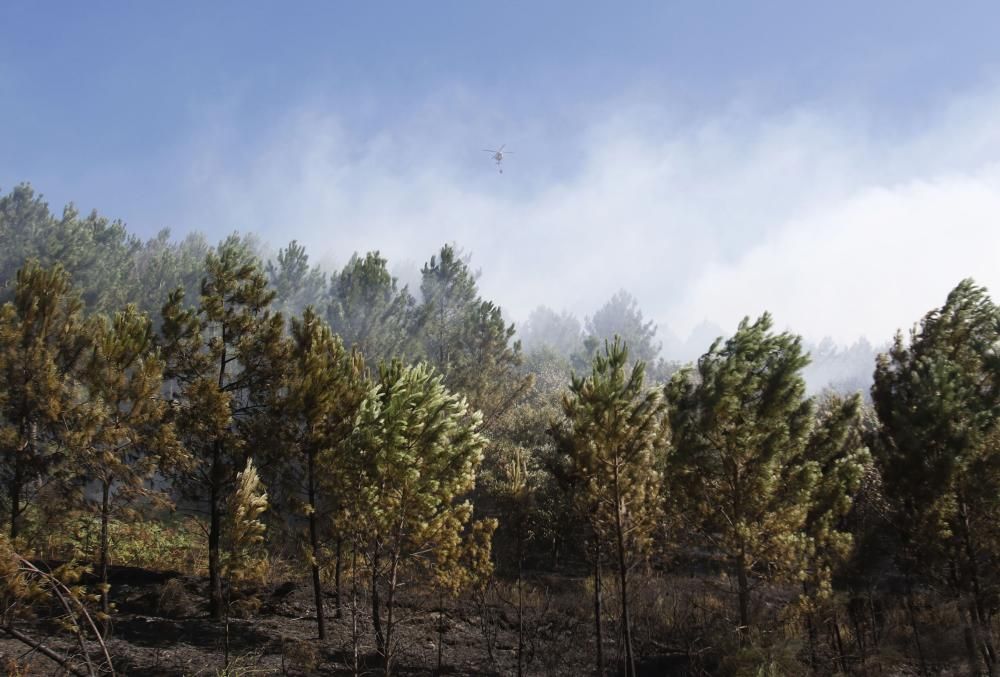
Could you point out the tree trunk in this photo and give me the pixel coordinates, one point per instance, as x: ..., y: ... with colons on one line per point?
x: 520, y: 600
x: 597, y: 607
x: 623, y: 579
x: 314, y: 546
x: 981, y: 632
x: 377, y: 607
x: 17, y: 482
x: 859, y: 637
x: 978, y: 645
x: 390, y: 607
x: 977, y: 609
x: 916, y: 633
x: 355, y: 632
x: 810, y: 630
x: 216, y: 602
x: 970, y: 650
x: 440, y: 646
x: 744, y: 595
x: 229, y: 592
x: 103, y: 555
x: 875, y: 620
x: 15, y: 495
x: 835, y: 624
x: 338, y: 572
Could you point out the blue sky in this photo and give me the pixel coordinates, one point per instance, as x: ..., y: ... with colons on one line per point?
x: 715, y: 158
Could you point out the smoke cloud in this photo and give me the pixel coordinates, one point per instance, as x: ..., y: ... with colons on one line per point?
x: 835, y: 223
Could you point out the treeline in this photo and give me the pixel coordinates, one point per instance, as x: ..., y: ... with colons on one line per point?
x: 390, y: 442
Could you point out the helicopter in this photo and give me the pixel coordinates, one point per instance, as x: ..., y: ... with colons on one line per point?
x: 498, y: 155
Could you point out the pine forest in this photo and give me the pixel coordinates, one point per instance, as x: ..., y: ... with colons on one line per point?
x: 220, y: 460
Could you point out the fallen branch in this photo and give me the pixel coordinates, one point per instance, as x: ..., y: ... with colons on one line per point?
x: 63, y: 661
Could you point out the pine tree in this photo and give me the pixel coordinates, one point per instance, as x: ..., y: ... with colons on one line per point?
x: 227, y: 357
x: 370, y: 312
x: 621, y: 316
x: 162, y: 266
x: 325, y: 388
x: 243, y: 536
x: 120, y: 435
x: 97, y: 253
x: 448, y: 288
x: 244, y: 530
x: 537, y: 415
x: 513, y: 486
x: 570, y: 489
x: 295, y: 284
x: 614, y: 431
x: 415, y: 454
x: 546, y: 329
x: 486, y: 364
x: 41, y: 342
x: 474, y: 349
x: 740, y: 471
x: 938, y: 401
x: 467, y: 340
x: 837, y: 448
x: 24, y: 217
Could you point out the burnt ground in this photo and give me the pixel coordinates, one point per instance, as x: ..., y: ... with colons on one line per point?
x: 682, y: 622
x: 161, y: 628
